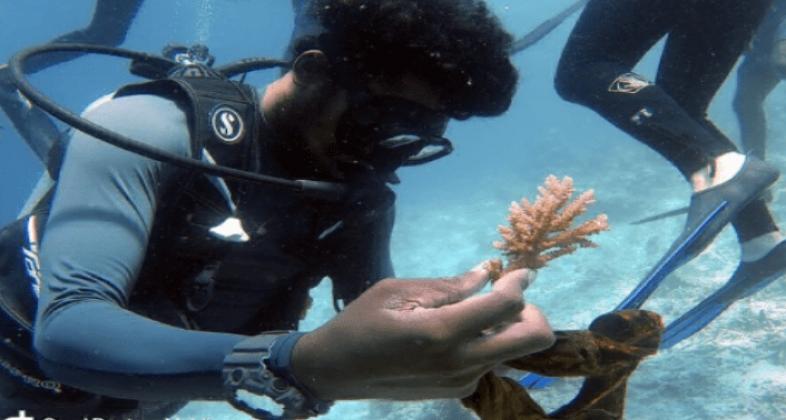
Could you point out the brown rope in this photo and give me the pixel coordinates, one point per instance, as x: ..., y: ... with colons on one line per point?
x: 606, y: 354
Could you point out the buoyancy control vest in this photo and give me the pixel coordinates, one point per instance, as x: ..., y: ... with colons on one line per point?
x: 200, y: 226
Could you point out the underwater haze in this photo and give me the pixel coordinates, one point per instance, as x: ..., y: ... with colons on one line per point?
x: 448, y: 211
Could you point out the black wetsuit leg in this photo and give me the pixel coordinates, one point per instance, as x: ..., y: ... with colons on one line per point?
x: 109, y: 26
x: 756, y: 78
x: 705, y: 38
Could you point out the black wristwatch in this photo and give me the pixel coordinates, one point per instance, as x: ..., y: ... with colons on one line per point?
x: 260, y: 365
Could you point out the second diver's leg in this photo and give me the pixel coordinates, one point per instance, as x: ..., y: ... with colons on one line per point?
x: 759, y: 73
x: 707, y: 44
x: 701, y: 51
x: 595, y: 70
x: 755, y: 80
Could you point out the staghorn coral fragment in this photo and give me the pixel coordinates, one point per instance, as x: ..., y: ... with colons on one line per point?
x: 606, y: 354
x: 541, y: 231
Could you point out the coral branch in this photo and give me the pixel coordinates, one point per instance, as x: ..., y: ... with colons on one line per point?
x: 541, y: 231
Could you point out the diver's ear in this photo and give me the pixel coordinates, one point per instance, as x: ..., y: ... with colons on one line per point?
x: 311, y: 67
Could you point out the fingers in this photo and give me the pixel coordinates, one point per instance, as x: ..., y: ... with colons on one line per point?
x: 530, y: 279
x: 474, y: 280
x: 437, y: 293
x: 458, y: 288
x: 469, y: 317
x: 531, y: 334
x: 461, y: 287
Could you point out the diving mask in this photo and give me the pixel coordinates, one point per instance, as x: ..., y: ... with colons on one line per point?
x: 384, y: 133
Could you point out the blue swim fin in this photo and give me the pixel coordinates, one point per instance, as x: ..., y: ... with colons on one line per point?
x: 535, y: 381
x: 678, y: 254
x: 693, y: 320
x: 748, y: 278
x: 709, y: 212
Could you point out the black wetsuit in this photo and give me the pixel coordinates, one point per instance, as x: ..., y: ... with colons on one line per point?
x: 756, y: 78
x: 139, y: 301
x: 704, y: 40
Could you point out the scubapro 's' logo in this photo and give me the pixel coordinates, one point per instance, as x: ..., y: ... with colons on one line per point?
x: 227, y: 124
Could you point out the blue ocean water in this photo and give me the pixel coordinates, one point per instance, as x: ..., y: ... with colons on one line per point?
x: 449, y: 210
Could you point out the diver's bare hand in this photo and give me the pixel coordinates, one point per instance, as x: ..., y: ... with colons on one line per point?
x: 421, y: 339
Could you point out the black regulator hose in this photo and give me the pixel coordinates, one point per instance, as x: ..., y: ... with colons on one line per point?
x: 247, y: 65
x: 318, y: 189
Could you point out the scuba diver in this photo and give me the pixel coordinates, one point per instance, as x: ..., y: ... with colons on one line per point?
x: 108, y: 26
x: 670, y: 115
x: 152, y: 284
x: 763, y: 67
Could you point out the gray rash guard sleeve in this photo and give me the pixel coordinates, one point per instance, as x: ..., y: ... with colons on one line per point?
x: 93, y: 250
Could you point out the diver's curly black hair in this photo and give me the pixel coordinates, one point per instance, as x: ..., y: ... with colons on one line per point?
x: 457, y: 46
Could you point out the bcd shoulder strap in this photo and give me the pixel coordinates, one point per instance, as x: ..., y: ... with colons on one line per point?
x: 223, y: 116
x: 224, y: 123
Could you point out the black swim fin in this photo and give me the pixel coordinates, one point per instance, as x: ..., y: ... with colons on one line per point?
x: 545, y: 28
x: 659, y: 216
